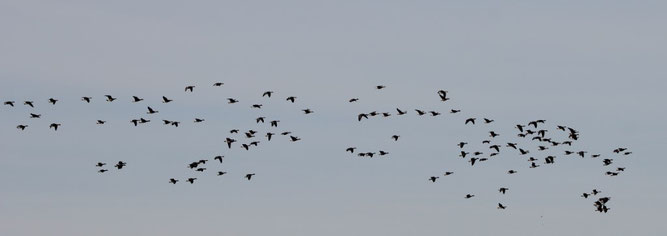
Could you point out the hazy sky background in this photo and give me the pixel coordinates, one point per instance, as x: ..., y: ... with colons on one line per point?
x: 598, y: 66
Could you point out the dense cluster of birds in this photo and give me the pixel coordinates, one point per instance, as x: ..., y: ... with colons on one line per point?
x: 549, y: 144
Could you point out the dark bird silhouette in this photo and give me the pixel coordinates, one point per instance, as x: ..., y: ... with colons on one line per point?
x: 218, y: 84
x: 294, y: 138
x: 102, y: 170
x: 53, y: 101
x: 151, y: 111
x: 461, y: 144
x: 234, y: 131
x: 382, y: 153
x: 503, y: 190
x: 512, y: 145
x: 523, y: 152
x: 274, y: 123
x: 400, y: 113
x: 395, y: 137
x: 54, y: 126
x: 269, y: 135
x: 448, y: 173
x: 199, y: 120
x: 434, y: 113
x: 166, y: 100
x: 350, y: 149
x: 454, y: 111
x: 135, y: 122
x: 136, y: 99
x: 497, y: 147
x: 101, y: 122
x: 249, y: 176
x: 21, y: 127
x: 85, y: 99
x: 291, y: 99
x: 173, y: 181
x: 285, y: 133
x: 33, y: 115
x: 229, y: 142
x: 420, y: 112
x: 307, y: 111
x: 232, y: 101
x: 100, y: 164
x: 487, y: 121
x: 501, y: 206
x: 380, y: 87
x: 493, y: 134
x: 258, y: 106
x: 443, y: 95
x: 200, y: 169
x: 353, y: 100
x: 120, y: 165
x: 512, y: 172
x: 470, y: 120
x: 433, y: 178
x: 29, y: 103
x: 191, y: 88
x: 520, y: 127
x: 110, y: 98
x: 267, y: 93
x: 218, y: 158
x: 468, y: 196
x: 259, y: 119
x: 362, y: 115
x: 192, y: 180
x: 220, y: 173
x: 143, y: 121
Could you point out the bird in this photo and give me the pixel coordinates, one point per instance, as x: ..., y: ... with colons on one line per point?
x: 249, y: 176
x: 468, y: 196
x: 461, y: 144
x: 453, y: 111
x: 218, y: 84
x: 448, y: 173
x: 487, y: 121
x: 33, y: 115
x: 395, y: 137
x: 353, y: 100
x: 85, y: 99
x: 136, y: 99
x: 291, y: 99
x: 54, y: 126
x: 21, y: 127
x: 199, y: 120
x: 501, y: 206
x: 258, y: 106
x: 229, y: 142
x: 307, y: 111
x: 151, y: 111
x: 471, y: 120
x: 135, y: 122
x: 142, y: 120
x: 493, y: 134
x: 294, y: 138
x: 53, y: 101
x: 110, y: 98
x: 512, y: 171
x: 420, y: 112
x: 382, y: 153
x: 350, y: 149
x: 512, y: 145
x: 173, y: 181
x: 221, y: 173
x: 191, y: 88
x: 497, y: 147
x: 166, y: 100
x: 399, y: 112
x: 100, y: 122
x: 100, y: 164
x: 267, y: 93
x: 503, y: 190
x: 120, y: 165
x: 102, y: 170
x: 219, y: 158
x: 362, y: 115
x: 191, y: 180
x: 443, y: 95
x: 434, y: 113
x: 433, y: 178
x: 380, y: 87
x: 28, y: 103
x: 232, y: 101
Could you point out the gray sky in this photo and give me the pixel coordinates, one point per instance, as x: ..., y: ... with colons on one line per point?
x: 597, y: 66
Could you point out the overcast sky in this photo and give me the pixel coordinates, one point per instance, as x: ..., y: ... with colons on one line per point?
x: 597, y: 66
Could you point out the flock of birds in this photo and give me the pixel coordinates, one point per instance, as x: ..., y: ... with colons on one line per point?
x: 546, y: 146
